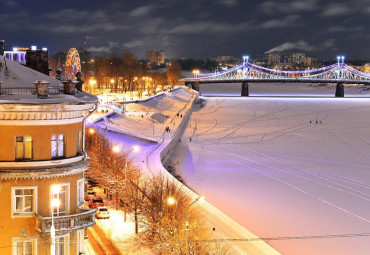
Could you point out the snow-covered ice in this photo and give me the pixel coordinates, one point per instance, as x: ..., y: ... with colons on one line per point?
x: 265, y: 162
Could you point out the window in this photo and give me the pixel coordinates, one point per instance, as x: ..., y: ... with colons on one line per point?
x: 57, y: 146
x: 80, y: 192
x: 24, y: 200
x: 61, y: 193
x: 62, y: 245
x: 24, y: 246
x: 79, y: 143
x: 23, y: 147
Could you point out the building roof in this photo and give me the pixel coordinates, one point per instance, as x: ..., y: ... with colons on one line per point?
x: 17, y: 86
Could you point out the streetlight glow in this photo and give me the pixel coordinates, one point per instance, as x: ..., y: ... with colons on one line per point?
x: 55, y: 203
x: 171, y: 201
x: 136, y: 148
x: 116, y: 149
x: 91, y: 130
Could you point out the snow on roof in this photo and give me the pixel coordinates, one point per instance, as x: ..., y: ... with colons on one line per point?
x: 14, y: 75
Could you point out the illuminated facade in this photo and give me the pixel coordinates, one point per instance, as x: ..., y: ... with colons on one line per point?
x: 42, y: 160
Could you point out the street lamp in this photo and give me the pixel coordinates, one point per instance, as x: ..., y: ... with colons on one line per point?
x: 116, y: 149
x: 196, y: 72
x: 187, y: 222
x: 54, y: 203
x: 91, y: 130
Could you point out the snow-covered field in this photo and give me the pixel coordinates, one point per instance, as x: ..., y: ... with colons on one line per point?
x: 265, y: 162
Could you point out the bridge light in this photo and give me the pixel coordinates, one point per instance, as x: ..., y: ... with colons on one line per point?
x: 342, y: 59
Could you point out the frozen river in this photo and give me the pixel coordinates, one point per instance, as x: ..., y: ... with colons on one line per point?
x: 285, y: 167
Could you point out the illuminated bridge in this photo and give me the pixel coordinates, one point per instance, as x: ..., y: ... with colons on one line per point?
x: 247, y: 72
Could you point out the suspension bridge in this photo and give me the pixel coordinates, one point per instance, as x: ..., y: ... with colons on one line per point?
x: 247, y: 72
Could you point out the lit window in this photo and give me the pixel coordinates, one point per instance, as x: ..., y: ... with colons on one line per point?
x: 57, y: 146
x: 80, y: 192
x: 23, y: 147
x: 24, y: 246
x: 24, y: 200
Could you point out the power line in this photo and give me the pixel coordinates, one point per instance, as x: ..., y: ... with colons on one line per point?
x: 282, y: 238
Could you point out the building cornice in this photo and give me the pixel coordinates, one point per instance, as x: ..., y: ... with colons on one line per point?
x: 46, y: 113
x: 46, y: 173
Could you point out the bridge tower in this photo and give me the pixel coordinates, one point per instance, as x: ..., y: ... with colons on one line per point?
x: 339, y: 91
x: 245, y: 89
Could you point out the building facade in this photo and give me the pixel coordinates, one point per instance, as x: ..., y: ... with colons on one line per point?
x: 42, y: 160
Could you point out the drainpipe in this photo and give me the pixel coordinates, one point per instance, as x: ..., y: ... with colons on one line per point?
x: 83, y: 130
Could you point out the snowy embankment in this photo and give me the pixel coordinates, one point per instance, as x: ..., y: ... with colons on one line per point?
x: 146, y: 119
x: 179, y: 105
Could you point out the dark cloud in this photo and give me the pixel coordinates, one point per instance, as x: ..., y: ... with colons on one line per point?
x: 192, y: 28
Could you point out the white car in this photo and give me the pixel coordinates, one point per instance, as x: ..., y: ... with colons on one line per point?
x: 102, y: 212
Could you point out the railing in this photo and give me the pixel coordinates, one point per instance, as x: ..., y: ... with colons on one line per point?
x: 26, y: 90
x: 85, y: 218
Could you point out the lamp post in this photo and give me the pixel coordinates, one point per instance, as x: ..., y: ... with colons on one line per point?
x: 117, y: 149
x: 187, y: 222
x: 54, y: 203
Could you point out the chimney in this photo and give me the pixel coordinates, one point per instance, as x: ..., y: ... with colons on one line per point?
x: 42, y: 88
x: 69, y: 87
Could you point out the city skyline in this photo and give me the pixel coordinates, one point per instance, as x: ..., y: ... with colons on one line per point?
x: 192, y: 29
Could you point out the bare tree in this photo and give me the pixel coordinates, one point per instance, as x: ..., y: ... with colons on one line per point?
x: 173, y: 73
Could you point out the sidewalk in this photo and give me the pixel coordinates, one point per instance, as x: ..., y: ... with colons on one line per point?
x: 113, y: 235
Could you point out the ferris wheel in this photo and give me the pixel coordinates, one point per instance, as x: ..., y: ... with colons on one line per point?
x: 73, y: 64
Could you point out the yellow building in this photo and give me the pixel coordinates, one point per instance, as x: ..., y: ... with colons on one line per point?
x: 42, y: 163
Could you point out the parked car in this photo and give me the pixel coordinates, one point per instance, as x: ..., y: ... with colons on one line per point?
x: 96, y: 202
x: 89, y: 195
x: 102, y: 213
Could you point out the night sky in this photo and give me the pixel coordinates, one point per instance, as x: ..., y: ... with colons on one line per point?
x: 191, y: 28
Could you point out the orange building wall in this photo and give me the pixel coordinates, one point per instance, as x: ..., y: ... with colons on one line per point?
x: 10, y: 226
x: 41, y: 140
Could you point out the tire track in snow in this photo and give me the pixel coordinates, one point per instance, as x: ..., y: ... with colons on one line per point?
x: 299, y: 189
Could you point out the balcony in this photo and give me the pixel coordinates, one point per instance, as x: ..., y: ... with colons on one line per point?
x: 83, y: 219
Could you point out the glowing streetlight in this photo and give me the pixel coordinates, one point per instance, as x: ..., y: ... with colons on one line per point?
x: 92, y: 82
x: 201, y: 199
x: 112, y: 81
x: 171, y: 201
x: 196, y: 72
x: 116, y: 149
x: 342, y: 59
x: 91, y: 130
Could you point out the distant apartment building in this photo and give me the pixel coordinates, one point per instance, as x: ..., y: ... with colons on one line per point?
x: 227, y: 61
x: 155, y: 58
x: 296, y: 59
x: 274, y: 58
x: 42, y: 163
